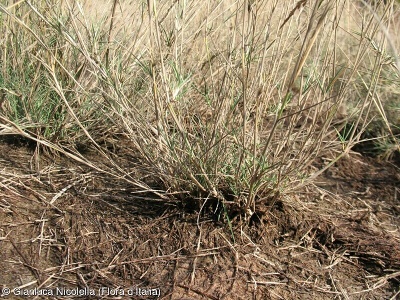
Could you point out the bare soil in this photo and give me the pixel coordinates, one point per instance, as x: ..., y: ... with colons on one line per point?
x: 63, y: 225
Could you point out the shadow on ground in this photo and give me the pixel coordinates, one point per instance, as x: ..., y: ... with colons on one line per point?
x: 69, y: 227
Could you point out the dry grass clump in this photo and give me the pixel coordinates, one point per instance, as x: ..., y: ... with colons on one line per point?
x: 226, y: 100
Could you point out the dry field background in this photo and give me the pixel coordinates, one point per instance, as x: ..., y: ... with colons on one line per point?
x: 213, y: 149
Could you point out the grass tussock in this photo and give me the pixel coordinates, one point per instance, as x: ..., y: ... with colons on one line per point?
x: 230, y: 100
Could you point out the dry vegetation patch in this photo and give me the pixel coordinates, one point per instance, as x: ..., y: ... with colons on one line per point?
x: 202, y: 148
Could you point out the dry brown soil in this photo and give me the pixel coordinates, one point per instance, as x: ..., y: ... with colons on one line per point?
x: 66, y: 226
